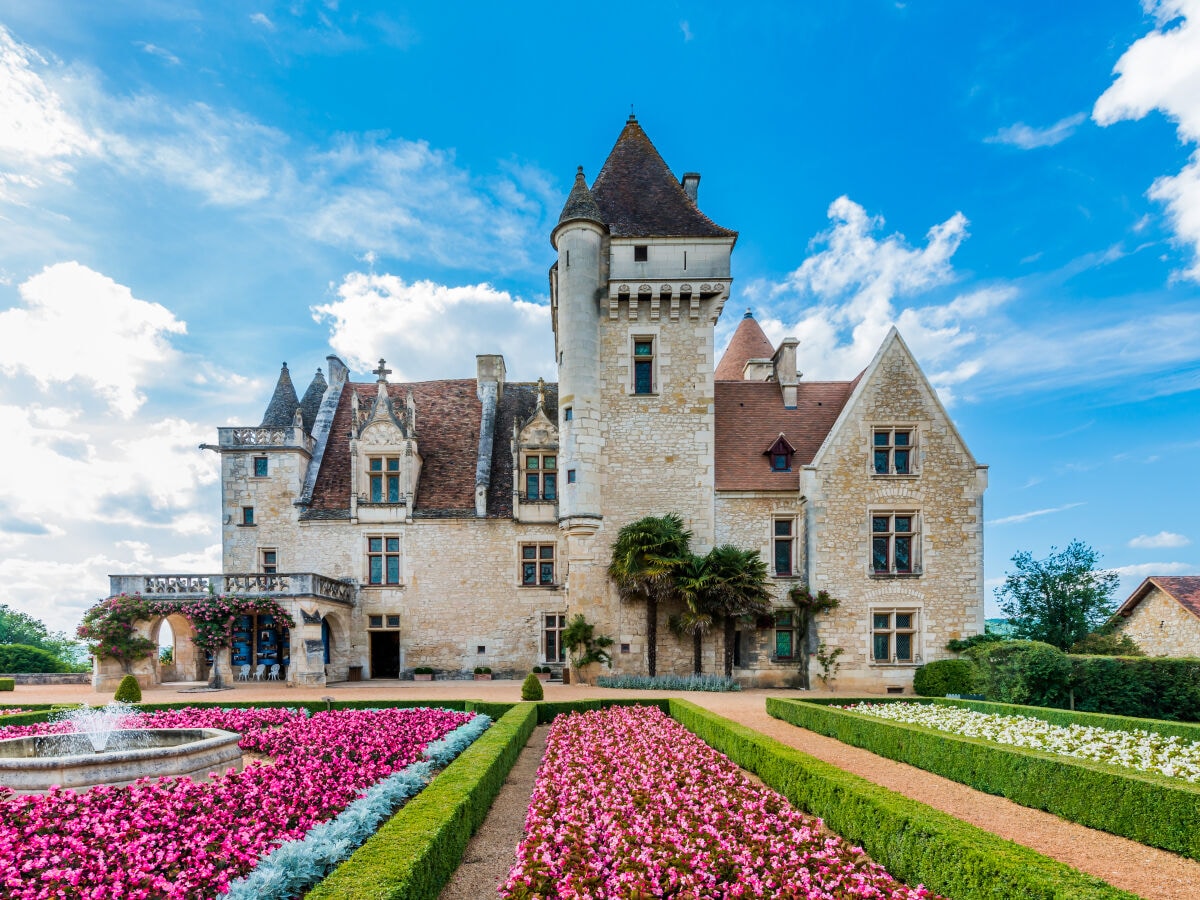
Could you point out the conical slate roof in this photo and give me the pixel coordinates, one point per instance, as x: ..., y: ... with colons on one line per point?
x: 281, y: 411
x: 312, y: 401
x: 748, y: 343
x: 639, y: 197
x: 581, y: 204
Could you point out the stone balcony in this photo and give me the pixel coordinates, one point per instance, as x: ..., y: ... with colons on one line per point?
x: 280, y: 438
x: 251, y: 584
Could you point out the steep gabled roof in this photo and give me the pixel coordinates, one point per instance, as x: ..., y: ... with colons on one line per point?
x: 639, y: 197
x: 750, y: 416
x: 281, y: 411
x: 748, y: 343
x: 1184, y: 589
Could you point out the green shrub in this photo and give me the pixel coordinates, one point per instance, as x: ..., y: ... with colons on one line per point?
x: 23, y: 658
x: 916, y: 843
x: 946, y: 676
x: 1023, y: 672
x: 1151, y: 688
x: 8, y: 684
x: 423, y: 670
x: 1147, y: 808
x: 128, y: 691
x: 531, y: 688
x: 414, y: 854
x: 714, y: 683
x: 1096, y: 643
x: 483, y: 670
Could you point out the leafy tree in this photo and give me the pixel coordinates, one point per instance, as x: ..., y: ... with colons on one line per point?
x: 20, y: 628
x: 739, y: 588
x: 646, y: 556
x: 585, y: 645
x: 24, y: 658
x: 1101, y: 643
x: 1058, y: 599
x: 694, y: 582
x: 807, y: 606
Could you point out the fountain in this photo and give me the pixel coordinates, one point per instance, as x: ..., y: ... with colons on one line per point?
x: 99, y: 751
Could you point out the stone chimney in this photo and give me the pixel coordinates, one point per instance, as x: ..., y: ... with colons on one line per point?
x: 785, y: 370
x: 489, y: 367
x: 691, y: 184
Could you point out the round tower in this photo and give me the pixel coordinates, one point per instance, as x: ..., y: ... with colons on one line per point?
x: 578, y: 281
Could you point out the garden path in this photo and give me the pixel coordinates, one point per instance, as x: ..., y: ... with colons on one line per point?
x: 1145, y: 871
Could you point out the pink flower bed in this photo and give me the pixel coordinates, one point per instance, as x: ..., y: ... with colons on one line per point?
x: 178, y: 838
x: 628, y: 803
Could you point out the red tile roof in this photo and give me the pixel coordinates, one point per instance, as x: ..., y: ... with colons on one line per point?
x: 750, y: 416
x: 639, y: 197
x: 1185, y: 589
x: 748, y: 343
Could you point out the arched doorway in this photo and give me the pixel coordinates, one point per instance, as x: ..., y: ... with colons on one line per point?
x: 326, y: 641
x: 183, y: 662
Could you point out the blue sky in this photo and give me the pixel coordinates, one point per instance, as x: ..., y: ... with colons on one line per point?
x: 192, y: 192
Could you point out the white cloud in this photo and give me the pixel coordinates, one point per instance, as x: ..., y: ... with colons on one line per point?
x: 261, y: 19
x: 687, y: 30
x: 1161, y: 71
x: 1028, y: 138
x: 162, y: 53
x: 77, y: 325
x: 38, y: 136
x: 1034, y: 514
x: 427, y: 330
x: 1146, y: 570
x: 1160, y: 540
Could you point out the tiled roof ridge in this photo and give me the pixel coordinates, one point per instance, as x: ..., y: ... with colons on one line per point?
x: 1184, y: 589
x: 638, y: 194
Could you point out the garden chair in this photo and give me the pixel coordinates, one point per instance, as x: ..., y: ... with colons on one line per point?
x: 244, y: 673
x: 274, y: 675
x: 258, y: 671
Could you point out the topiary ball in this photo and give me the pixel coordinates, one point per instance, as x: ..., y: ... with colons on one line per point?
x: 531, y: 688
x: 128, y: 691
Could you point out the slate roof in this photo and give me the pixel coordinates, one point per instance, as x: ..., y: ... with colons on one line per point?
x: 448, y: 414
x: 1185, y: 589
x: 639, y: 197
x: 312, y: 401
x: 748, y: 343
x: 281, y: 411
x: 750, y: 416
x: 580, y: 203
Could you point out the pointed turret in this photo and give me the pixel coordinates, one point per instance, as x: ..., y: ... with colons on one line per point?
x: 312, y: 401
x: 639, y: 197
x: 580, y: 203
x: 282, y: 409
x: 748, y: 343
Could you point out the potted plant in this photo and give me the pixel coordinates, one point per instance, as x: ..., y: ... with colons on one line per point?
x: 542, y: 672
x: 483, y: 673
x: 588, y: 649
x: 423, y: 673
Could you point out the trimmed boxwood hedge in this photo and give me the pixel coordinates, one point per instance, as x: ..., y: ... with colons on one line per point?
x: 1150, y: 809
x: 416, y: 851
x: 915, y: 842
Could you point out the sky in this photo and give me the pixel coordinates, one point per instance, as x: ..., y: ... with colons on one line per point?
x: 193, y: 192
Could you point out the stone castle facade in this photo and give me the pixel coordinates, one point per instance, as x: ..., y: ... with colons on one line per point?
x: 455, y: 524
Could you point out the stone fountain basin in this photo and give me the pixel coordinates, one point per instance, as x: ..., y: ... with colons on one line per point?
x: 34, y: 764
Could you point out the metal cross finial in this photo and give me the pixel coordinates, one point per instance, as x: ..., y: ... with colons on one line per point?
x: 541, y: 392
x: 382, y: 372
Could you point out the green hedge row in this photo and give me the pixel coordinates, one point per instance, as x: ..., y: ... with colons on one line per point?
x: 916, y: 843
x: 1151, y: 687
x: 547, y: 711
x: 416, y: 851
x: 1150, y: 809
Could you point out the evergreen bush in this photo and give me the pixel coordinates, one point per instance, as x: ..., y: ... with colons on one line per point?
x: 946, y: 676
x: 24, y: 658
x: 1028, y: 672
x: 8, y: 684
x: 531, y: 688
x: 1146, y: 687
x: 128, y: 691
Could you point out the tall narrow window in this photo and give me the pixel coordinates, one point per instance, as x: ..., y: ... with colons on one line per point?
x: 384, y: 475
x: 783, y: 546
x: 247, y: 515
x: 383, y: 560
x: 541, y: 476
x: 892, y: 543
x: 785, y: 635
x: 537, y: 564
x: 643, y: 366
x: 892, y: 449
x: 552, y: 645
x: 260, y: 467
x: 893, y: 636
x: 270, y: 562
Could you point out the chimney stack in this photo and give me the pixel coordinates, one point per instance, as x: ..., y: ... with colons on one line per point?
x: 691, y: 184
x: 785, y: 370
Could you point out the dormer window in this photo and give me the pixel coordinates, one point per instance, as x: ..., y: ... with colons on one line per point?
x: 780, y: 455
x: 541, y: 476
x: 384, y: 474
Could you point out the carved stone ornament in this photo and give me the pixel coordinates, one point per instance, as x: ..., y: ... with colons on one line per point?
x: 310, y: 618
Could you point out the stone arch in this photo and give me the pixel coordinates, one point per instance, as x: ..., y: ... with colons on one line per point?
x: 338, y: 646
x: 189, y: 661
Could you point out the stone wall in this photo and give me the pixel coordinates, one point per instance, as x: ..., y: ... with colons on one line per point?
x: 50, y: 677
x: 1162, y: 626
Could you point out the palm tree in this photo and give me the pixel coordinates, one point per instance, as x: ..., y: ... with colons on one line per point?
x: 646, y: 556
x: 693, y: 582
x: 739, y: 588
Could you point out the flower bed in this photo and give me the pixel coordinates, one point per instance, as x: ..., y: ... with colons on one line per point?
x: 628, y: 803
x: 1140, y: 750
x: 179, y: 838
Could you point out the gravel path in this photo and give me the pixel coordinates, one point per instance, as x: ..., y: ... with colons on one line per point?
x: 493, y: 849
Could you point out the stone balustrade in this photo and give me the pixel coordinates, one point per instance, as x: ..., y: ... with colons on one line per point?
x: 257, y: 584
x: 241, y: 438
